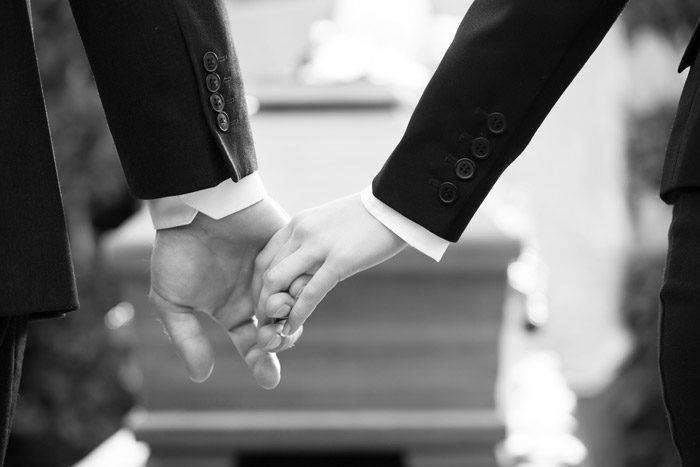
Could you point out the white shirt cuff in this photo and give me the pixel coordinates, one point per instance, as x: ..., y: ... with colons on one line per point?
x: 410, y: 232
x: 226, y: 198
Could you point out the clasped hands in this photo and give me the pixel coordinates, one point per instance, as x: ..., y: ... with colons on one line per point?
x: 259, y: 276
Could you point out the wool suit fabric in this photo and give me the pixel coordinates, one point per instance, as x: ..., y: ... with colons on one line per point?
x: 507, y: 66
x: 680, y: 293
x: 160, y: 66
x: 509, y: 63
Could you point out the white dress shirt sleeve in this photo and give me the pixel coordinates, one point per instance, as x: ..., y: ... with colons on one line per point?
x: 230, y: 197
x: 226, y: 198
x: 410, y: 232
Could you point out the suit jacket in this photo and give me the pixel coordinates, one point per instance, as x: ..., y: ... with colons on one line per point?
x: 169, y: 82
x: 509, y: 63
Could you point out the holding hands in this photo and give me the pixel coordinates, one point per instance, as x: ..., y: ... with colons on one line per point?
x: 307, y: 258
x: 207, y: 267
x: 258, y: 278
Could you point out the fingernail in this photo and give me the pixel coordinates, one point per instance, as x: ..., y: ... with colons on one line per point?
x: 287, y: 330
x: 274, y: 342
x: 282, y: 311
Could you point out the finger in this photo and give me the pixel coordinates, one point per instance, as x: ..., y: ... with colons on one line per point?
x: 277, y: 307
x: 279, y: 277
x: 266, y: 255
x: 299, y: 284
x: 260, y: 293
x: 187, y: 336
x: 291, y: 340
x: 271, y: 339
x: 265, y: 365
x: 320, y: 284
x: 284, y: 270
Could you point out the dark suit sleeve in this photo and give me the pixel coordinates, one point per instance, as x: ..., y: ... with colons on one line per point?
x: 507, y: 66
x: 179, y: 124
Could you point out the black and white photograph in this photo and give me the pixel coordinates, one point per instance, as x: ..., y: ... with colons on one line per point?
x: 350, y: 233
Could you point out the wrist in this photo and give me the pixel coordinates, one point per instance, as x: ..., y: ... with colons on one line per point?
x: 412, y: 233
x: 219, y: 201
x: 263, y: 216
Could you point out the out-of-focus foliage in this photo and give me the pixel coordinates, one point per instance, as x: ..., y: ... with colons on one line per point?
x: 674, y: 19
x: 75, y: 388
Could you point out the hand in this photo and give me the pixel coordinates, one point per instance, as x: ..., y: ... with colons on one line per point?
x: 307, y: 258
x: 207, y: 266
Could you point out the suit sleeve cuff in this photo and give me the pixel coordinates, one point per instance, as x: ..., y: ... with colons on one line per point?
x: 217, y: 202
x: 412, y: 233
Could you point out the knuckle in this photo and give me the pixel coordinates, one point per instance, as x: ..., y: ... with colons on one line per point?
x: 259, y: 262
x: 296, y: 220
x: 270, y: 278
x: 303, y: 228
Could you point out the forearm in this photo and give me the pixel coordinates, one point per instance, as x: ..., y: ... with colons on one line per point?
x: 509, y: 63
x: 148, y: 62
x: 413, y: 234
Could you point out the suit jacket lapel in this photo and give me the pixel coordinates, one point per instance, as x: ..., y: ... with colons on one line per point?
x: 692, y: 49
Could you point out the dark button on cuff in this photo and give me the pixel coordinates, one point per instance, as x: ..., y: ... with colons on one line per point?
x: 213, y: 82
x: 447, y: 192
x: 465, y: 169
x: 481, y: 148
x: 496, y: 123
x: 217, y: 102
x: 222, y: 121
x: 211, y: 61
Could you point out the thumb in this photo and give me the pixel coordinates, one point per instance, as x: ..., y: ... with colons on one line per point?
x: 187, y: 336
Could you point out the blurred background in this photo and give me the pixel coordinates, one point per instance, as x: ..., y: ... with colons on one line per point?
x: 533, y: 343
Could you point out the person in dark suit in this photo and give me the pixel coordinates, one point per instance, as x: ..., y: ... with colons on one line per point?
x: 509, y: 63
x: 169, y: 82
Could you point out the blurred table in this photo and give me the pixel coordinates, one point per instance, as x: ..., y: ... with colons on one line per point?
x: 401, y: 359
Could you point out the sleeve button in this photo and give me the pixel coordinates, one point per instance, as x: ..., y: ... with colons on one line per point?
x: 222, y: 121
x: 217, y: 102
x: 496, y: 123
x: 465, y: 168
x: 213, y: 82
x: 447, y: 192
x: 481, y: 148
x: 211, y: 61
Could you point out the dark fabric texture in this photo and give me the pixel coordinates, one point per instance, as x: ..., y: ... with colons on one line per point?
x: 13, y: 338
x: 682, y: 163
x: 680, y: 327
x: 36, y: 274
x: 691, y: 50
x: 147, y: 59
x: 516, y: 58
